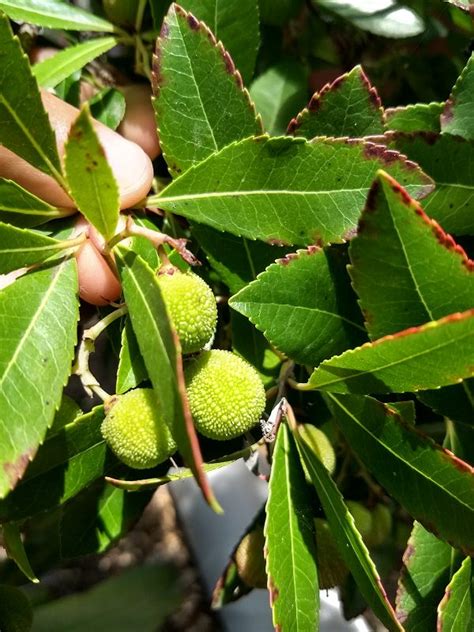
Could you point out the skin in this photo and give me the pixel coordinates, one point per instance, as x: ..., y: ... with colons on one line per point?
x: 98, y: 284
x: 139, y: 123
x: 131, y: 166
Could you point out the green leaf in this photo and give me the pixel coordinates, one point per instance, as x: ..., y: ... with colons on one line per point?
x: 290, y: 541
x: 137, y: 599
x: 449, y: 160
x: 421, y: 117
x: 52, y: 71
x: 456, y: 118
x: 16, y: 551
x: 131, y: 369
x: 200, y: 103
x: 278, y: 93
x: 55, y: 14
x: 348, y: 539
x: 403, y: 263
x: 277, y: 12
x: 425, y: 573
x: 98, y: 518
x: 38, y: 317
x: 69, y: 461
x: 434, y: 486
x: 237, y: 261
x: 22, y: 208
x: 20, y: 247
x: 156, y: 341
x: 420, y: 358
x: 386, y: 18
x: 16, y: 614
x: 108, y: 106
x: 90, y: 176
x: 24, y: 124
x: 304, y: 305
x: 349, y: 106
x: 247, y: 188
x: 456, y: 610
x: 235, y: 24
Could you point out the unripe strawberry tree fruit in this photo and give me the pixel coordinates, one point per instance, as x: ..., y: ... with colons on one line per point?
x: 191, y: 306
x: 226, y: 395
x: 136, y: 431
x: 233, y: 253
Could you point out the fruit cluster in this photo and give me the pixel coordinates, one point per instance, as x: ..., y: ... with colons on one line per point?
x: 225, y: 393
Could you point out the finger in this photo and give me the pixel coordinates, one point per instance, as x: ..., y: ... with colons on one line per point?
x: 138, y: 124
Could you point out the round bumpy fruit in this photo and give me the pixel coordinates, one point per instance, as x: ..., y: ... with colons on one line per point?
x: 226, y: 395
x: 136, y: 431
x: 191, y: 306
x: 249, y: 559
x: 362, y: 518
x: 332, y: 570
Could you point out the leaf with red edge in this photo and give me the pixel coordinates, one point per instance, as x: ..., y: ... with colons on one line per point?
x: 456, y: 610
x: 403, y: 263
x: 349, y: 106
x: 433, y: 485
x: 290, y: 541
x: 159, y: 346
x: 449, y: 160
x: 419, y: 117
x: 456, y: 118
x: 438, y: 353
x: 425, y: 573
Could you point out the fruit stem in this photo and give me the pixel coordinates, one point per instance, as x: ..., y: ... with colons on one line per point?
x: 156, y: 238
x: 87, y: 346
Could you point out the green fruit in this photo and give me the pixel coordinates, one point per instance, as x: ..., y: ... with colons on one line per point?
x: 226, y: 395
x: 16, y: 614
x: 332, y: 570
x: 362, y: 518
x: 121, y: 12
x: 250, y: 561
x: 191, y: 307
x: 381, y: 525
x: 322, y: 447
x: 136, y: 431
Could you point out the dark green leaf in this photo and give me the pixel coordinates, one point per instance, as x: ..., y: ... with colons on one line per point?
x: 403, y: 264
x: 290, y: 542
x: 98, y: 518
x: 24, y: 124
x: 138, y: 599
x: 55, y: 14
x: 425, y: 573
x: 156, y: 341
x: 131, y: 369
x: 456, y: 610
x: 348, y: 539
x: 38, y: 317
x: 350, y: 106
x: 16, y: 614
x: 449, y: 160
x: 235, y: 24
x: 434, y: 486
x: 421, y: 117
x: 22, y: 208
x: 16, y: 551
x: 455, y: 402
x: 436, y: 354
x: 20, y: 247
x: 247, y: 188
x: 278, y: 12
x: 386, y: 19
x: 90, y: 176
x: 108, y: 106
x: 305, y: 306
x: 236, y: 261
x: 456, y: 118
x: 52, y: 71
x: 278, y: 93
x: 69, y: 461
x: 200, y: 102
